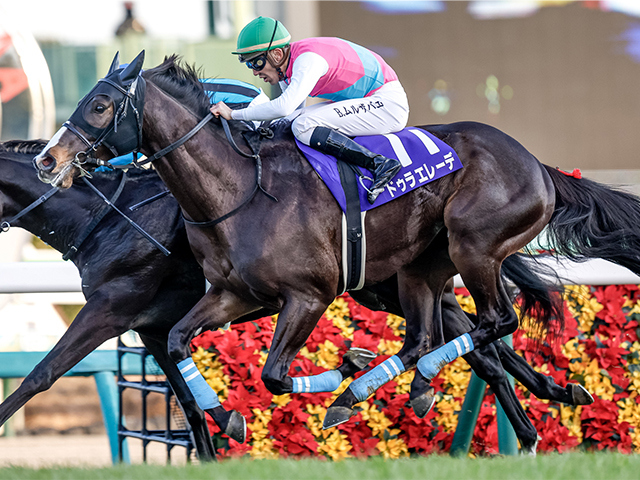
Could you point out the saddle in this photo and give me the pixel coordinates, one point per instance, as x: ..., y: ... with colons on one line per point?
x: 423, y: 156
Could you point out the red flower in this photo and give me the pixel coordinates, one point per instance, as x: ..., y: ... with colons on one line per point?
x: 301, y: 443
x: 364, y: 447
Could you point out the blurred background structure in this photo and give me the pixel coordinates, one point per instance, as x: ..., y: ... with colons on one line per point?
x: 558, y: 76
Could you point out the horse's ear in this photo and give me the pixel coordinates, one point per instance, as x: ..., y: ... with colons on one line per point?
x: 133, y: 69
x: 114, y: 64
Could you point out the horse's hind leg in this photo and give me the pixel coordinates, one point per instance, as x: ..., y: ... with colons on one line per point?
x: 484, y: 228
x: 195, y: 416
x: 93, y: 325
x: 538, y: 384
x: 486, y: 363
x: 420, y: 288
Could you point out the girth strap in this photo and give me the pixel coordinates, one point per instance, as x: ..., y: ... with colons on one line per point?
x: 354, y: 250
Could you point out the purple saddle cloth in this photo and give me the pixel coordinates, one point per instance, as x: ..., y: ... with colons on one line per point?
x: 424, y: 159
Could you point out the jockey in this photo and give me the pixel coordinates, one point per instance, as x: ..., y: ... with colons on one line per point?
x: 235, y: 93
x: 365, y: 95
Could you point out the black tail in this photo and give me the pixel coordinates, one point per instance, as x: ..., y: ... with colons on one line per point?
x: 540, y: 288
x: 592, y: 220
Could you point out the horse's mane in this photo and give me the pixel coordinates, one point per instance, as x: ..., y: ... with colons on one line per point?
x: 181, y: 82
x: 22, y: 146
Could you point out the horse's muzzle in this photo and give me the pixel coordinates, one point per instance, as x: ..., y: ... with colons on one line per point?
x: 44, y: 163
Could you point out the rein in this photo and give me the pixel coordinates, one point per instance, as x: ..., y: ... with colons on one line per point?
x: 258, y: 185
x: 175, y: 144
x: 73, y: 249
x: 131, y: 222
x: 6, y: 225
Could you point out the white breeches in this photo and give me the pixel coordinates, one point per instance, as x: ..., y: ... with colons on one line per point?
x: 386, y: 111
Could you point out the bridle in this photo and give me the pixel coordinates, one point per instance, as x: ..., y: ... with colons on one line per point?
x: 128, y: 101
x: 130, y: 98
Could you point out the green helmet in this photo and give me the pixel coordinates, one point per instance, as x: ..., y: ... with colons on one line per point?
x: 262, y: 34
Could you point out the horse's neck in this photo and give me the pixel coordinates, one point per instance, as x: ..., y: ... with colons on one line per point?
x: 60, y: 220
x: 205, y: 164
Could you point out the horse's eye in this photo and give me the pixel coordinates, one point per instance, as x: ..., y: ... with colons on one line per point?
x: 100, y: 108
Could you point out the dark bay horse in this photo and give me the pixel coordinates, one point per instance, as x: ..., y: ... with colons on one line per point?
x: 131, y: 285
x: 285, y: 255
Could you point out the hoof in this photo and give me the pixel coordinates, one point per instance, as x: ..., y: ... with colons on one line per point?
x: 231, y: 423
x: 336, y: 416
x: 530, y: 450
x: 237, y: 427
x: 360, y: 357
x: 424, y: 403
x: 580, y: 395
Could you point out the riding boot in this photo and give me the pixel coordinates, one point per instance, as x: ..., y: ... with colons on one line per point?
x: 343, y: 148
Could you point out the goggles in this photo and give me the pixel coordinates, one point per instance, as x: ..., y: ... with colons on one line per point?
x: 257, y: 63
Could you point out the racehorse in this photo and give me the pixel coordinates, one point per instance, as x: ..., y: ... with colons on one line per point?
x: 133, y: 266
x: 285, y: 255
x: 120, y: 276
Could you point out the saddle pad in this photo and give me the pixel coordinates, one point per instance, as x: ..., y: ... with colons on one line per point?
x: 424, y: 159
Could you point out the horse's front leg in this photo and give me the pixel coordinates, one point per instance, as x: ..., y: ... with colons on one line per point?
x: 296, y: 321
x: 195, y: 416
x: 98, y: 321
x: 214, y: 310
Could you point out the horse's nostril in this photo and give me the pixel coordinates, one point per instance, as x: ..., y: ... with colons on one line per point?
x: 47, y: 161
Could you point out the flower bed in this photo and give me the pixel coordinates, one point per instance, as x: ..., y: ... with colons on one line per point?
x: 598, y: 348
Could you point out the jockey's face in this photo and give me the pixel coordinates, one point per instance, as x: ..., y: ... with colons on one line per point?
x: 269, y: 73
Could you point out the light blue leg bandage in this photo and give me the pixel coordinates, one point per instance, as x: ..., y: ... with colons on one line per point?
x: 432, y: 362
x: 375, y: 378
x: 325, y: 382
x: 205, y: 397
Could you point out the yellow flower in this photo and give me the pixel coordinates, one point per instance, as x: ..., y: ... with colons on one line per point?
x: 336, y: 446
x: 573, y: 349
x: 629, y: 412
x: 397, y: 324
x: 404, y: 382
x: 339, y: 309
x: 582, y: 305
x: 447, y: 412
x: 263, y: 449
x: 635, y: 347
x: 263, y: 358
x: 467, y: 303
x: 456, y: 376
x: 389, y: 347
x: 378, y: 422
x: 315, y: 419
x: 343, y: 322
x: 596, y: 382
x: 281, y: 400
x: 570, y: 418
x: 258, y: 428
x: 393, y: 448
x: 220, y: 386
x: 634, y: 383
x: 327, y: 355
x: 202, y: 358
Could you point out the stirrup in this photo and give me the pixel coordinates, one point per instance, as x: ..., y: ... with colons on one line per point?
x: 372, y: 196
